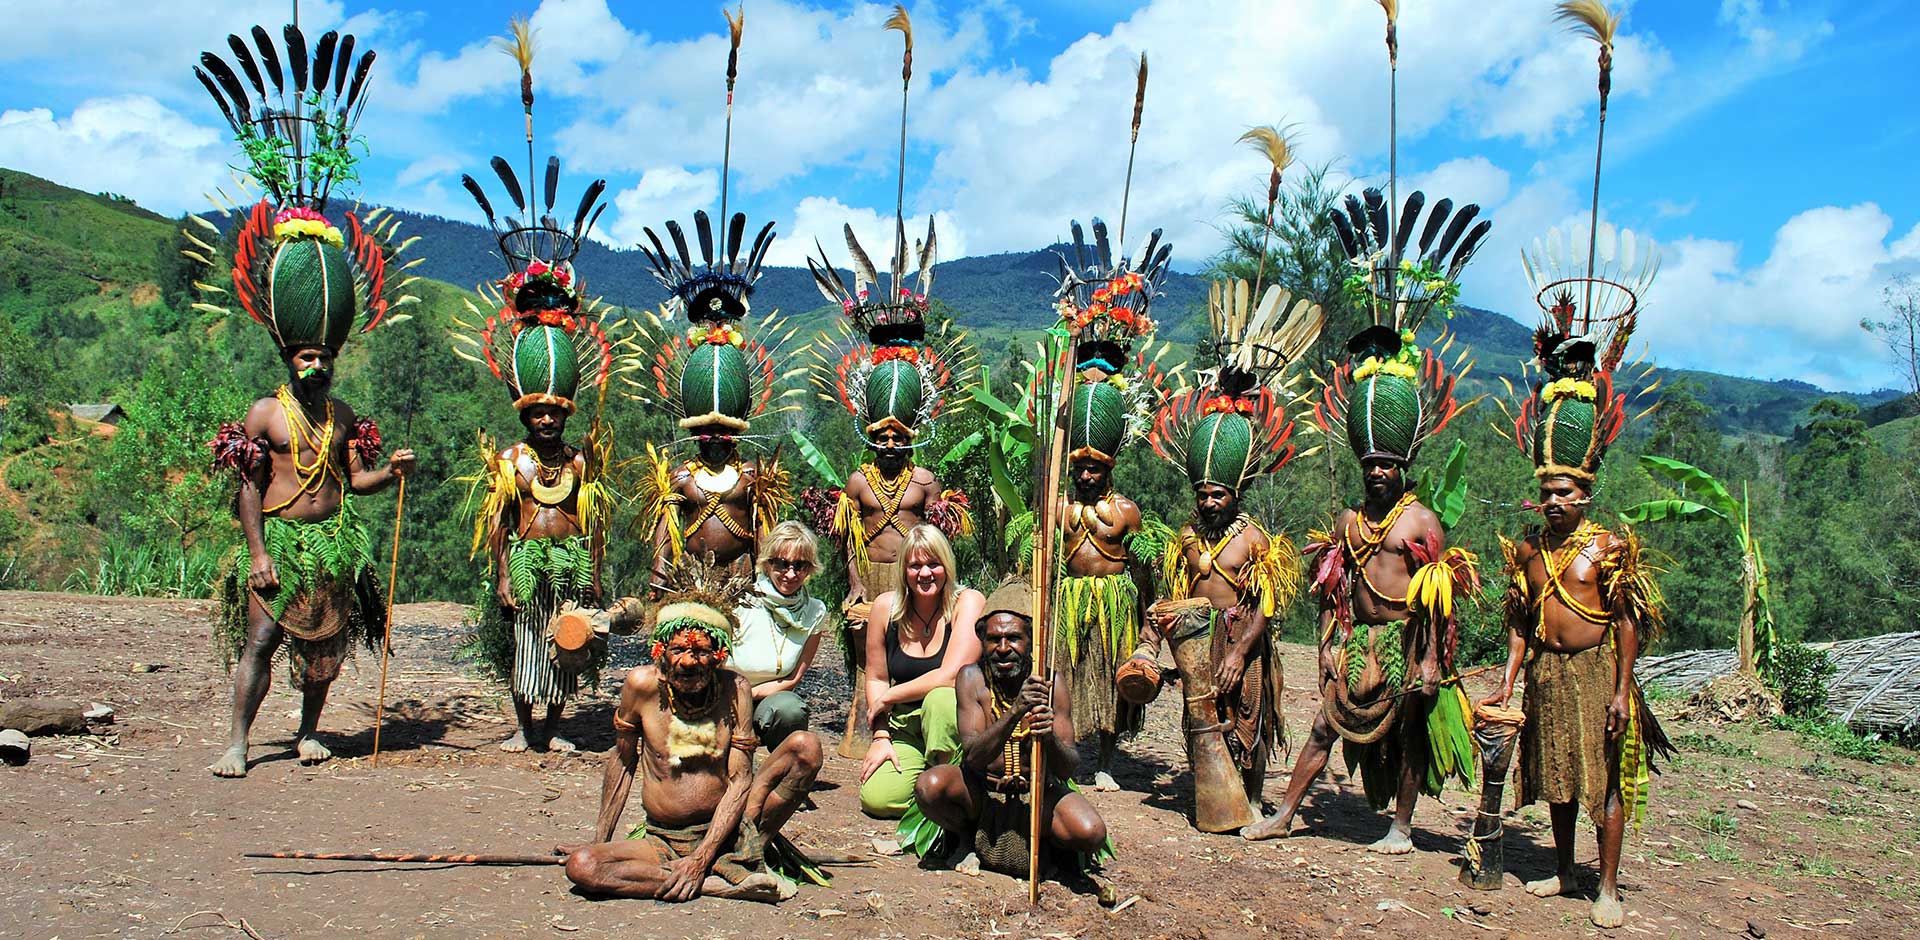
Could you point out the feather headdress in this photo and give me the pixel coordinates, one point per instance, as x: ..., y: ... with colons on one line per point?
x: 295, y: 272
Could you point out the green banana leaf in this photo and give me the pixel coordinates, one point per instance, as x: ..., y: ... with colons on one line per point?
x: 950, y: 460
x: 1661, y: 510
x: 1446, y: 494
x: 822, y: 465
x: 1004, y: 489
x: 1695, y: 481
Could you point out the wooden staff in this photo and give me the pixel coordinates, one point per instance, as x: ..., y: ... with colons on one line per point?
x: 1043, y: 577
x: 422, y: 858
x: 386, y: 638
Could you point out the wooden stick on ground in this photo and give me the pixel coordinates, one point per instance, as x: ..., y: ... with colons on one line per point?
x: 424, y: 858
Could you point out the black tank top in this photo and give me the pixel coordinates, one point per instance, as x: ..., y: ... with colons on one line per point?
x: 901, y: 667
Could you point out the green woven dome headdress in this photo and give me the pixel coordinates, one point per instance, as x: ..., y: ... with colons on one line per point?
x: 882, y: 367
x: 294, y: 271
x: 1589, y: 310
x: 1234, y: 429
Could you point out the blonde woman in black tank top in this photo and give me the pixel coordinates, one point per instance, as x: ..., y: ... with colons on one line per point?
x: 918, y: 639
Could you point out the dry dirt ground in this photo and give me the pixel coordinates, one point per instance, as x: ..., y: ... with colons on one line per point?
x: 125, y: 833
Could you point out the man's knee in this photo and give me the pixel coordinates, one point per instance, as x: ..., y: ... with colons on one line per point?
x: 1079, y: 826
x: 584, y: 869
x: 941, y: 784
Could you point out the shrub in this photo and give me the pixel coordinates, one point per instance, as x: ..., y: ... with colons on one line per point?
x: 1801, y: 680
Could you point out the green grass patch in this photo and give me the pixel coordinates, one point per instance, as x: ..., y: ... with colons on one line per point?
x: 1842, y: 741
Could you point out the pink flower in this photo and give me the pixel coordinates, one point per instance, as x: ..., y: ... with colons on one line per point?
x: 298, y: 212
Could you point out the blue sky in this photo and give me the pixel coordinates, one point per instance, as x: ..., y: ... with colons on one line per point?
x: 1764, y: 144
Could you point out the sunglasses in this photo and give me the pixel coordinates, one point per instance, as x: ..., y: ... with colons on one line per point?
x: 789, y: 564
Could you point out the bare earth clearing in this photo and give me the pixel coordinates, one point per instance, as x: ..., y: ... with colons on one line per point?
x: 128, y: 835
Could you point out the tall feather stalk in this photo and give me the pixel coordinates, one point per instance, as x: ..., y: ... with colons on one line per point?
x: 1271, y: 141
x: 736, y: 23
x: 900, y: 22
x: 1592, y: 19
x: 519, y: 45
x: 1392, y: 9
x: 1133, y: 142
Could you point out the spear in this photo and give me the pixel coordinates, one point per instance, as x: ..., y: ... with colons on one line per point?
x: 1043, y: 576
x: 1279, y: 150
x: 1133, y: 143
x: 421, y: 858
x: 736, y: 22
x: 519, y: 45
x: 1592, y: 19
x: 900, y: 22
x: 1392, y: 8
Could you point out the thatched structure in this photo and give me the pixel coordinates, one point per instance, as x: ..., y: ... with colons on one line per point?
x: 1875, y: 687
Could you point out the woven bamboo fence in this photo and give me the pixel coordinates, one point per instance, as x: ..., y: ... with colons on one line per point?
x: 1875, y: 687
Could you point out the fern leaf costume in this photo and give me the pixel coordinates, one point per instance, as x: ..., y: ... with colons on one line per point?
x: 541, y: 518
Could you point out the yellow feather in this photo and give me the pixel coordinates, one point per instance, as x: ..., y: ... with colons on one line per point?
x: 736, y: 22
x: 1277, y: 145
x: 900, y: 22
x: 1392, y: 8
x: 519, y: 44
x: 1589, y: 18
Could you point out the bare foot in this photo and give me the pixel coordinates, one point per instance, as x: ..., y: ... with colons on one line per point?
x: 311, y: 751
x: 1276, y: 826
x: 759, y: 886
x: 1554, y: 886
x: 969, y: 865
x: 516, y: 744
x: 232, y: 762
x: 558, y: 743
x: 1397, y: 841
x: 1607, y: 911
x: 1104, y: 782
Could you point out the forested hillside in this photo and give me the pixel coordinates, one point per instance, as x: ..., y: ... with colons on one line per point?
x: 95, y: 306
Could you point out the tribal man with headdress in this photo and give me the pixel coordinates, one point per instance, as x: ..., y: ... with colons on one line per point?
x: 685, y: 722
x: 1384, y: 575
x: 894, y: 380
x: 1583, y: 602
x: 545, y: 505
x: 307, y: 574
x: 1225, y: 577
x: 1105, y: 583
x: 715, y: 382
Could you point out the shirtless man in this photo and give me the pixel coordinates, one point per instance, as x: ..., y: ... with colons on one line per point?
x: 983, y: 799
x: 1100, y: 603
x: 1575, y: 616
x: 1369, y: 588
x: 687, y: 724
x: 542, y: 508
x: 714, y: 497
x: 298, y: 454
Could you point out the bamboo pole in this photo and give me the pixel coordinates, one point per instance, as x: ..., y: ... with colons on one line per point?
x: 1043, y: 576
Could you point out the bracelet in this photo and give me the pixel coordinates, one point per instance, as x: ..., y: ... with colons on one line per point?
x: 882, y: 735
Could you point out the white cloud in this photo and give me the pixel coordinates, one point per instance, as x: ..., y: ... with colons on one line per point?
x: 131, y: 145
x: 823, y: 220
x: 668, y: 192
x: 1467, y: 179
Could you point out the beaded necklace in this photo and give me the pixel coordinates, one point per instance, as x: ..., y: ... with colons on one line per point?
x: 1371, y: 540
x: 1556, y: 562
x: 889, y: 492
x: 1011, y: 761
x: 301, y: 433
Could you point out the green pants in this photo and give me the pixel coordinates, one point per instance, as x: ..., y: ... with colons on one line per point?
x: 923, y: 735
x: 777, y: 716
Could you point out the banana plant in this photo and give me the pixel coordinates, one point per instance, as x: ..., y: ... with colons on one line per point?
x: 818, y: 460
x: 1009, y: 439
x: 1759, y: 637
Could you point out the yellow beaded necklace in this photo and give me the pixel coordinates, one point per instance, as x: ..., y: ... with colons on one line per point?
x: 1371, y: 540
x: 1012, y: 760
x: 301, y: 433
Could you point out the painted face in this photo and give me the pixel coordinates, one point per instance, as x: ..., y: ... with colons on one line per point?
x: 788, y: 569
x: 716, y: 450
x: 1563, y: 502
x: 1007, y: 647
x: 310, y: 369
x: 892, y: 447
x: 1382, y: 477
x: 1215, y: 504
x: 926, y: 576
x: 689, y: 661
x: 1090, y: 479
x: 544, y: 423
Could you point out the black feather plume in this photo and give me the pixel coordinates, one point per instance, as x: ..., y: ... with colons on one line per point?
x: 680, y: 244
x: 244, y: 56
x: 1435, y: 219
x: 297, y: 57
x: 323, y: 59
x: 1409, y: 219
x: 761, y: 243
x: 1146, y: 257
x: 230, y: 83
x: 1469, y: 245
x: 505, y: 171
x: 553, y: 181
x: 736, y: 229
x: 703, y: 229
x: 213, y: 91
x: 594, y: 189
x: 343, y: 65
x: 269, y: 57
x: 359, y: 80
x: 1079, y: 249
x: 1377, y: 233
x: 662, y: 261
x: 479, y: 196
x: 1102, y: 247
x: 1344, y: 229
x: 1461, y: 220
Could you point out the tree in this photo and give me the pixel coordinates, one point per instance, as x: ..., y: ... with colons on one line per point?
x: 1900, y: 331
x: 1759, y: 641
x: 1302, y: 255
